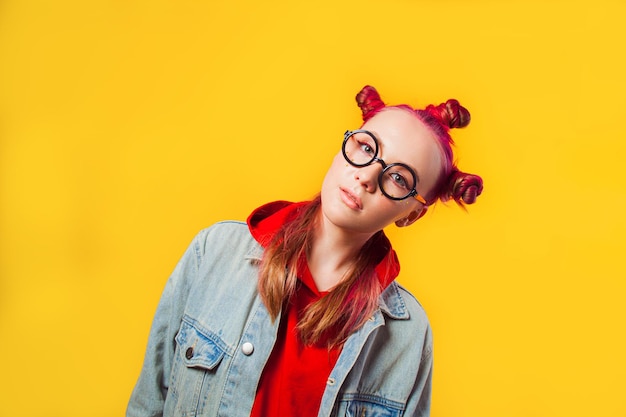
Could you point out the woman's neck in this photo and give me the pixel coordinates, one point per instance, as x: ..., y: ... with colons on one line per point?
x: 332, y: 253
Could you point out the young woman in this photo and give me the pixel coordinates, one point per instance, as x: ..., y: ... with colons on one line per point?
x: 296, y: 312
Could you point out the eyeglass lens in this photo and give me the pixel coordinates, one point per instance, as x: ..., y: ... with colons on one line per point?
x: 396, y: 180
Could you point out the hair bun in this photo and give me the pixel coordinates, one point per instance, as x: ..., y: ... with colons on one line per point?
x: 369, y: 101
x: 450, y: 114
x: 464, y: 188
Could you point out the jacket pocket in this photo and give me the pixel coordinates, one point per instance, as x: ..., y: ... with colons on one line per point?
x: 356, y: 405
x: 198, y: 354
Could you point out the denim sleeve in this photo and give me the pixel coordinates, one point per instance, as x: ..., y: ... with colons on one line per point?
x: 148, y: 397
x: 418, y: 404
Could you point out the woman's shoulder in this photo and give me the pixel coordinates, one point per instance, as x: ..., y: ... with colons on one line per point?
x: 400, y: 304
x: 227, y: 236
x: 407, y: 318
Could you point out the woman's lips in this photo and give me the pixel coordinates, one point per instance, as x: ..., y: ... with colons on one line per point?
x: 351, y: 200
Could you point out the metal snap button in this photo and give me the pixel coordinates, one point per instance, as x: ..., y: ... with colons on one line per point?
x: 247, y: 348
x: 189, y: 353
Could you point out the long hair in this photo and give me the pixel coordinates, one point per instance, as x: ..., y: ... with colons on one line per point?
x: 332, y: 318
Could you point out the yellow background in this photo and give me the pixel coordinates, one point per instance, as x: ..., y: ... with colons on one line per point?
x: 127, y: 126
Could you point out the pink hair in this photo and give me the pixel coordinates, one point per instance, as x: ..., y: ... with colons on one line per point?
x: 452, y: 184
x: 330, y: 320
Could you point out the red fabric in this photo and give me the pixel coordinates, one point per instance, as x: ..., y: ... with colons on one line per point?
x: 294, y: 378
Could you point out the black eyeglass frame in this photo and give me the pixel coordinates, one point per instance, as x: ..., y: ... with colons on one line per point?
x: 413, y: 193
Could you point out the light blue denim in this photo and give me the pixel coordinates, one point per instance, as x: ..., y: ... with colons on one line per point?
x: 212, y: 336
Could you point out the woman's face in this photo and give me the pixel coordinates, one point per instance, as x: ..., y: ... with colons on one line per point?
x: 351, y: 196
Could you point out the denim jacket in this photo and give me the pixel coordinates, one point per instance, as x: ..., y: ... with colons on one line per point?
x: 211, y: 337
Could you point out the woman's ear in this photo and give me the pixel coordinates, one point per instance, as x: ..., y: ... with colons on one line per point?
x: 412, y: 217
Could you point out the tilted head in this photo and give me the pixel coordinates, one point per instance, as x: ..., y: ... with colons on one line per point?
x: 451, y: 184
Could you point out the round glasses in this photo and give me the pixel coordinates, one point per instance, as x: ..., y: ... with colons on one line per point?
x: 396, y: 181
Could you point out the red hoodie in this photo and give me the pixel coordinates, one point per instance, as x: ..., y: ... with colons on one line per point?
x: 294, y: 378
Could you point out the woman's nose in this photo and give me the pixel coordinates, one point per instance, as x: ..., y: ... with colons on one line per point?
x: 367, y: 176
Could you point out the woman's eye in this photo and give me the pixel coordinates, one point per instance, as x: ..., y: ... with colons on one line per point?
x: 399, y: 180
x: 365, y: 147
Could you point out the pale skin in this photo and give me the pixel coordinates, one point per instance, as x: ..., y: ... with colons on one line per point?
x: 353, y: 208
